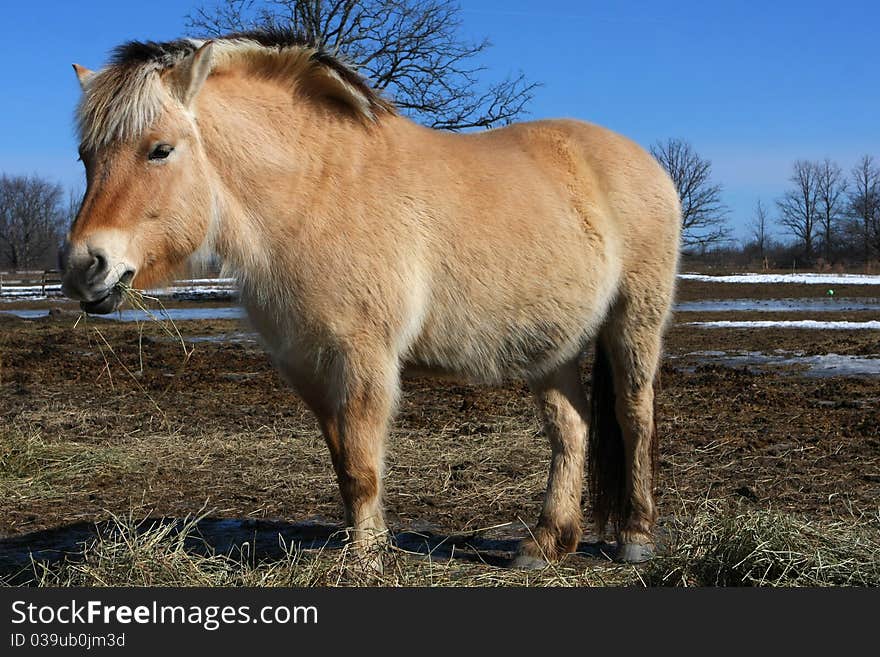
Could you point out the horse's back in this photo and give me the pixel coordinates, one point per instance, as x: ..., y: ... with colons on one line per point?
x: 630, y: 199
x: 572, y: 177
x: 601, y: 163
x: 529, y: 236
x: 644, y: 211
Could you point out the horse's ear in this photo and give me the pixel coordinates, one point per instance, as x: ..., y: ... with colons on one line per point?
x: 186, y: 79
x: 83, y: 74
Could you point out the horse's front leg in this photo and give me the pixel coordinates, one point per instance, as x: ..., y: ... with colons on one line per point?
x: 354, y: 415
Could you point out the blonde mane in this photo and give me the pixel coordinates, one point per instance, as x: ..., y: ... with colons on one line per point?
x: 122, y: 100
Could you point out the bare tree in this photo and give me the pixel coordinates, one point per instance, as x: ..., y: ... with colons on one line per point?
x: 75, y: 196
x: 831, y: 189
x: 703, y: 215
x: 31, y: 217
x: 760, y: 229
x: 799, y: 206
x: 864, y: 203
x: 410, y: 49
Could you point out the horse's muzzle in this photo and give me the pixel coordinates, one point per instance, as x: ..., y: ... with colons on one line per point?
x: 104, y: 305
x: 89, y: 280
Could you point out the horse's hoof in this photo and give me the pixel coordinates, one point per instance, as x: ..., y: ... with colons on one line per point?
x: 528, y: 562
x: 634, y: 553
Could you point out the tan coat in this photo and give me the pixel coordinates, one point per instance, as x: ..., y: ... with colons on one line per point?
x: 366, y: 245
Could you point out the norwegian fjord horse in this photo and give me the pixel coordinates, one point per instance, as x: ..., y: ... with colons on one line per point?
x: 366, y: 245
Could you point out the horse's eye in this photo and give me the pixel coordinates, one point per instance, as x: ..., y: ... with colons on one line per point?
x: 161, y: 151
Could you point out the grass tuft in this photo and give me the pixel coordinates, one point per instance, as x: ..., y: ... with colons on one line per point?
x: 34, y: 467
x: 718, y: 547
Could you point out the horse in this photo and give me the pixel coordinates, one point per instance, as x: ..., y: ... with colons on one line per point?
x: 367, y: 247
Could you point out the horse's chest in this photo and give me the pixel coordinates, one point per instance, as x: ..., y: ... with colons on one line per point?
x: 279, y: 326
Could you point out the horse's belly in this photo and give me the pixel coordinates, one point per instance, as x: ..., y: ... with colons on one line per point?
x: 487, y: 345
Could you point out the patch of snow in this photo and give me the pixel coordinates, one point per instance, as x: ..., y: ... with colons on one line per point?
x: 823, y: 365
x: 812, y: 279
x: 228, y: 282
x: 29, y: 292
x: 792, y: 324
x: 193, y: 288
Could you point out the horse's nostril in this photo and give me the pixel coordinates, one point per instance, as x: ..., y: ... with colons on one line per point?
x: 99, y: 266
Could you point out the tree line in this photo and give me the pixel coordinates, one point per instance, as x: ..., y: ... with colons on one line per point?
x: 832, y: 215
x: 34, y: 212
x: 826, y: 215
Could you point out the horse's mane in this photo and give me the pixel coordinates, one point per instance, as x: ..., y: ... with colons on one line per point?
x: 123, y: 99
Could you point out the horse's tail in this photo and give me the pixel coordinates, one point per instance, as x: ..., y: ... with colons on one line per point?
x: 605, y: 453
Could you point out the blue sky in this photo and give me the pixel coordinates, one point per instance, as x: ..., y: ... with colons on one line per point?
x: 752, y: 85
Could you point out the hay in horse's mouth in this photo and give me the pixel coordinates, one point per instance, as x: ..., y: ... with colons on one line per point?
x: 104, y: 305
x: 110, y: 302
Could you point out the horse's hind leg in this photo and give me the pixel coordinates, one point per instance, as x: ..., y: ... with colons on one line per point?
x: 631, y: 344
x: 563, y: 406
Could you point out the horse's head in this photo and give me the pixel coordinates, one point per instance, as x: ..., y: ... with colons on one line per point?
x: 148, y: 203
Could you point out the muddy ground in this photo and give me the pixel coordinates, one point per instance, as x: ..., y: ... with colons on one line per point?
x: 100, y: 418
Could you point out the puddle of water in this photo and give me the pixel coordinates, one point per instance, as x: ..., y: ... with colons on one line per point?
x: 27, y: 313
x: 179, y: 314
x: 836, y: 365
x: 823, y: 365
x: 132, y: 315
x: 819, y: 304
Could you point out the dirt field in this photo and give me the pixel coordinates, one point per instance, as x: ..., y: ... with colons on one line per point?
x: 103, y: 419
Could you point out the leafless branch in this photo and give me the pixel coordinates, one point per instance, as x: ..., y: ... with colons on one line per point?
x: 864, y: 204
x: 760, y: 229
x: 799, y: 206
x: 831, y: 188
x: 703, y: 214
x: 410, y: 49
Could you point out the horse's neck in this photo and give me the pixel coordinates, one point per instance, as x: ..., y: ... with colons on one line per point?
x: 273, y: 157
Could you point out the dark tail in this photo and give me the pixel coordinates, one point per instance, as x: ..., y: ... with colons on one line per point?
x: 605, y: 457
x: 607, y: 461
